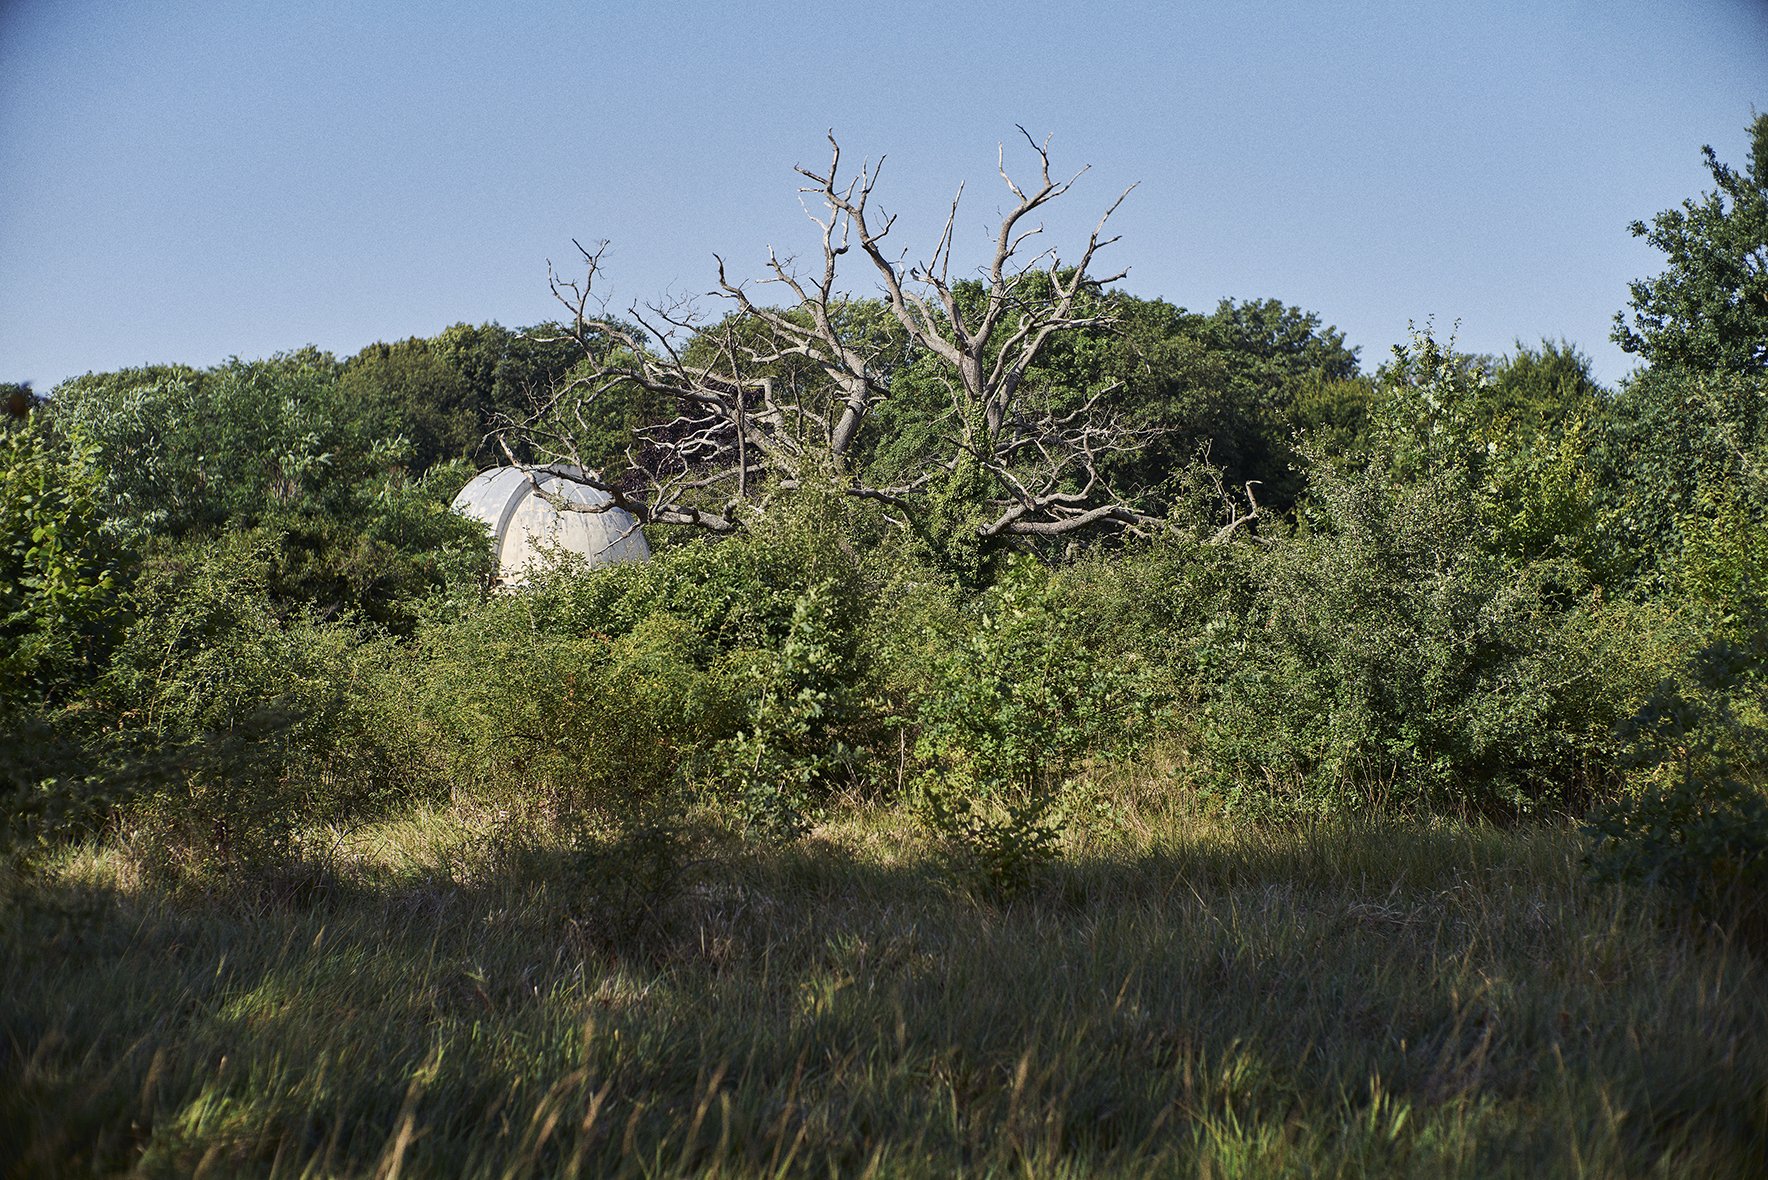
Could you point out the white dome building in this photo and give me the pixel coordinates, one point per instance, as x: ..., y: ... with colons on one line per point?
x: 523, y: 523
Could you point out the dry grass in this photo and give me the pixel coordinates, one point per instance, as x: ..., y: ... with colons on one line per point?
x: 1180, y: 996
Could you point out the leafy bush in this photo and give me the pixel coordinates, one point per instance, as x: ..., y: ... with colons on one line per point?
x: 590, y: 722
x: 603, y: 737
x: 1431, y: 637
x: 1667, y: 442
x: 736, y: 594
x: 277, y: 446
x: 1007, y: 718
x: 393, y: 547
x: 184, y: 450
x: 59, y: 780
x: 784, y: 762
x: 1696, y: 819
x: 267, y: 722
x: 772, y: 621
x: 1697, y: 822
x: 1723, y: 566
x: 62, y: 587
x: 61, y: 579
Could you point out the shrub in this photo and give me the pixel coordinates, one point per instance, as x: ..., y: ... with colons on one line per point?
x: 1667, y: 437
x: 1007, y: 718
x: 738, y: 593
x: 593, y: 723
x: 1431, y: 638
x: 768, y: 626
x: 605, y: 737
x: 265, y: 723
x: 61, y: 578
x: 1723, y: 565
x: 1392, y: 656
x: 59, y: 780
x: 392, y: 548
x: 785, y: 761
x: 184, y: 450
x: 1696, y: 822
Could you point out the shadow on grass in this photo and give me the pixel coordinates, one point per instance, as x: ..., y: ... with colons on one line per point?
x: 456, y: 999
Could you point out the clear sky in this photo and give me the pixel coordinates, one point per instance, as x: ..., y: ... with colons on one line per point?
x: 183, y: 180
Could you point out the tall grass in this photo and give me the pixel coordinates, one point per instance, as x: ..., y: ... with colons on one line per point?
x: 1176, y: 996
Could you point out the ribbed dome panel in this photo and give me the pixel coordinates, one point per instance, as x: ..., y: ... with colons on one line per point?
x: 523, y: 523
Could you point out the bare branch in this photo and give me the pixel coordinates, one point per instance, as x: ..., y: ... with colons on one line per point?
x: 776, y: 395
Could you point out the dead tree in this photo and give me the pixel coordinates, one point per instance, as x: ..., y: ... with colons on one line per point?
x: 769, y: 397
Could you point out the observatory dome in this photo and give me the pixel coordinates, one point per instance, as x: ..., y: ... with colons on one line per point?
x: 522, y: 523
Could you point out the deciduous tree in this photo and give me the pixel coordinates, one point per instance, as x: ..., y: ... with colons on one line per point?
x: 1708, y: 311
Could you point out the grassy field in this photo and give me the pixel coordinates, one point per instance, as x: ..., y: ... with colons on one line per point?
x: 456, y: 996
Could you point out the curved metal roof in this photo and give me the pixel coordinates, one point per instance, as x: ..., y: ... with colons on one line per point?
x: 523, y: 523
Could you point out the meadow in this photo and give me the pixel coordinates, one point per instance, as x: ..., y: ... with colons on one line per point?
x: 1179, y: 996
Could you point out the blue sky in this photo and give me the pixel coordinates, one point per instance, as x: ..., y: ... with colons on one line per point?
x: 184, y: 181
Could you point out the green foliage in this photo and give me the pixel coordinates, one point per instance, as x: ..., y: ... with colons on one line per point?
x: 503, y: 366
x: 181, y: 453
x: 39, y: 805
x: 1277, y: 350
x: 111, y: 386
x: 443, y: 392
x: 17, y: 401
x: 1430, y: 420
x: 1539, y: 389
x: 267, y: 723
x: 758, y: 350
x: 753, y: 673
x: 1334, y: 416
x: 1006, y: 718
x: 1723, y: 567
x: 1278, y: 360
x: 1696, y: 820
x: 605, y: 736
x: 282, y: 449
x: 1708, y: 312
x: 448, y: 391
x: 1154, y: 602
x: 1479, y: 566
x: 1159, y: 372
x: 594, y: 724
x: 393, y: 547
x: 1690, y: 432
x: 418, y: 396
x: 947, y: 536
x: 737, y: 594
x: 1429, y: 639
x: 784, y: 762
x: 60, y: 780
x: 61, y: 578
x: 1666, y: 435
x: 1229, y: 382
x: 1225, y: 384
x: 1442, y: 416
x: 1542, y: 500
x: 1696, y: 823
x: 1524, y: 406
x: 62, y: 590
